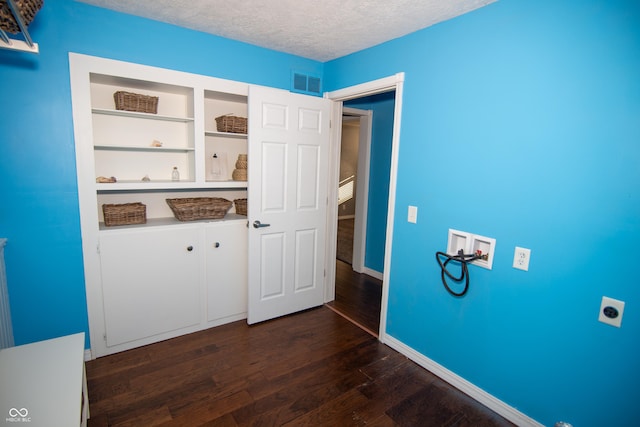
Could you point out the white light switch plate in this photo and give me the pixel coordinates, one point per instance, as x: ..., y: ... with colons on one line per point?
x: 413, y: 214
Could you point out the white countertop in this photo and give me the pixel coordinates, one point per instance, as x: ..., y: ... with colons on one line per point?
x: 41, y: 383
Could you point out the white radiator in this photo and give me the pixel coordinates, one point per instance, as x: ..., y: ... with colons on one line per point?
x: 6, y: 330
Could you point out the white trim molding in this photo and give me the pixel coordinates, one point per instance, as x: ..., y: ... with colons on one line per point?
x: 473, y: 391
x: 385, y: 84
x: 373, y: 273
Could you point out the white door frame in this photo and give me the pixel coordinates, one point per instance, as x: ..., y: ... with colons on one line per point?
x: 386, y: 84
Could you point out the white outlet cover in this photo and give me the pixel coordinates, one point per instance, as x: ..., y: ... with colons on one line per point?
x: 521, y: 257
x: 616, y: 304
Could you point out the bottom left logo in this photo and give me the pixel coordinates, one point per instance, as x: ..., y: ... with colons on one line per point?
x: 18, y: 415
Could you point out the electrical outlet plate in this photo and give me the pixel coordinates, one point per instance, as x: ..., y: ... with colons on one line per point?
x: 609, y: 306
x: 521, y: 257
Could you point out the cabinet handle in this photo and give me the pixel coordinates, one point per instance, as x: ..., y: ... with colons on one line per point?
x: 216, y: 245
x: 189, y: 248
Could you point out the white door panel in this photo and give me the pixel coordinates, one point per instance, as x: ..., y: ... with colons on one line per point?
x: 288, y: 166
x: 272, y: 283
x: 307, y: 175
x: 274, y: 177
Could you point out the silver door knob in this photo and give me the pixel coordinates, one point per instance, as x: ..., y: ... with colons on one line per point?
x: 258, y: 224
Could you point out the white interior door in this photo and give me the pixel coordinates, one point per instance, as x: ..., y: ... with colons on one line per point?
x: 287, y: 201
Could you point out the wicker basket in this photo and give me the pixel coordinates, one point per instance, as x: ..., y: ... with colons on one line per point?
x: 241, y: 206
x: 242, y: 162
x: 239, y: 175
x: 231, y: 124
x: 129, y: 101
x: 124, y: 214
x: 27, y: 9
x: 194, y: 208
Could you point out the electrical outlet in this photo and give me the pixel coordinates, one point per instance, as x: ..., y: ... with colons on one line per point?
x: 521, y: 258
x: 611, y: 311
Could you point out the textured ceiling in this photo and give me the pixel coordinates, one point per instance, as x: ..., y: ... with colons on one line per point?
x: 315, y: 29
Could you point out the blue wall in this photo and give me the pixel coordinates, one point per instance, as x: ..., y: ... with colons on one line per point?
x: 521, y: 122
x: 39, y: 209
x: 382, y: 105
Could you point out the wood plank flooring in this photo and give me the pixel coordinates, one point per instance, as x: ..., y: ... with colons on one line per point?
x: 344, y: 242
x: 358, y: 297
x: 309, y: 369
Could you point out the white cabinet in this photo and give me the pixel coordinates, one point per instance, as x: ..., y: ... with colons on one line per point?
x: 44, y: 383
x: 143, y: 282
x: 161, y: 282
x: 226, y: 271
x: 150, y: 282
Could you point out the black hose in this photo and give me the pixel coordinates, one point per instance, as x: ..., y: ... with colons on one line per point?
x: 463, y: 259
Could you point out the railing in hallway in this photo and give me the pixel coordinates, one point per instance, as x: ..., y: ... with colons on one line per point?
x: 345, y: 189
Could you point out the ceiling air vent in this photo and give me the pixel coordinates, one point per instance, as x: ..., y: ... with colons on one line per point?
x: 305, y: 83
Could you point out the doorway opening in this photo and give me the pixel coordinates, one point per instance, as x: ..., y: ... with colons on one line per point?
x: 381, y: 101
x: 358, y: 294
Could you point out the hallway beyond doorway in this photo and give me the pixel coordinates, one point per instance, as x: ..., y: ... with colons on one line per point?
x: 358, y: 298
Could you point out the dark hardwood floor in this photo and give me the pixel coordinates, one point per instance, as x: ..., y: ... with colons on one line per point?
x: 358, y: 297
x: 313, y: 368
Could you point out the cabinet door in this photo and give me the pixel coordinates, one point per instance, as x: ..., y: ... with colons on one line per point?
x: 149, y: 283
x: 226, y: 270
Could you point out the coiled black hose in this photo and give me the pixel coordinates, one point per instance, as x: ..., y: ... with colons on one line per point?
x: 463, y: 259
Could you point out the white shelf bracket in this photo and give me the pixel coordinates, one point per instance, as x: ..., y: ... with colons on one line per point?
x: 26, y: 45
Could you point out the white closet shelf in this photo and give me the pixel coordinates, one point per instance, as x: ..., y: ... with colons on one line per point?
x: 163, y: 222
x: 134, y: 114
x: 168, y: 185
x: 226, y: 134
x: 141, y: 148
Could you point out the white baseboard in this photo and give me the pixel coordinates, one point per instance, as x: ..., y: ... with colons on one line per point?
x: 369, y: 272
x: 488, y: 400
x: 346, y: 217
x: 87, y: 354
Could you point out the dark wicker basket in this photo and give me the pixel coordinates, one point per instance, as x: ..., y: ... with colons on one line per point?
x: 231, y: 124
x: 27, y: 10
x: 129, y: 101
x: 241, y: 206
x: 124, y: 214
x: 191, y: 209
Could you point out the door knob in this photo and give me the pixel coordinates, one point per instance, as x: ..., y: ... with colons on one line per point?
x: 189, y: 248
x: 258, y: 224
x: 216, y: 245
